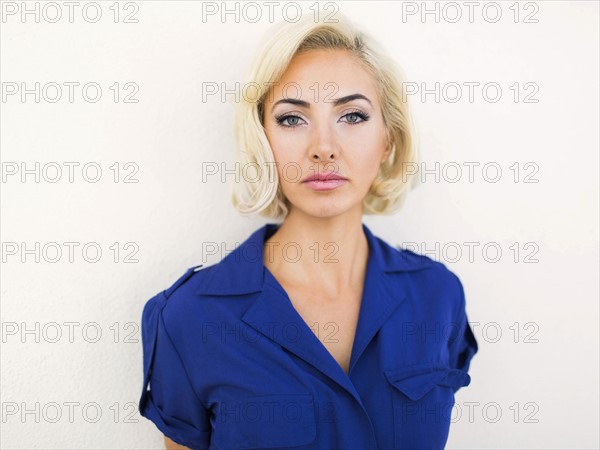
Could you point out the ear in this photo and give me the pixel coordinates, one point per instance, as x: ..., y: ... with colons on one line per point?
x: 389, y: 146
x: 386, y: 153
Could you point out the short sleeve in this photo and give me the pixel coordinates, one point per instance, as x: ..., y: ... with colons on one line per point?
x: 462, y: 344
x: 168, y: 399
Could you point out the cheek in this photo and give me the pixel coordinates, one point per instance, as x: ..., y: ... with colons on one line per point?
x: 368, y: 144
x: 366, y: 162
x: 288, y: 155
x: 288, y: 170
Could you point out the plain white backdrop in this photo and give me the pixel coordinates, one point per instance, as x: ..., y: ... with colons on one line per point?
x: 71, y: 353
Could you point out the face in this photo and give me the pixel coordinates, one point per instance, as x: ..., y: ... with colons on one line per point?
x: 324, y: 116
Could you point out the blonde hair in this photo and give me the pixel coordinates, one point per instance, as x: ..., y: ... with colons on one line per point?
x: 388, y: 191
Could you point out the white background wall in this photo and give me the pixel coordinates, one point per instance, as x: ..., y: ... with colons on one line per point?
x: 541, y: 374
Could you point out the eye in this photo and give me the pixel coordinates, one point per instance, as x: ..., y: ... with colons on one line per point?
x: 292, y: 120
x: 355, y: 117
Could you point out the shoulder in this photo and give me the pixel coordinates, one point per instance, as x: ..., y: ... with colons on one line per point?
x: 180, y: 291
x: 177, y: 308
x: 420, y: 261
x: 193, y: 275
x: 433, y: 275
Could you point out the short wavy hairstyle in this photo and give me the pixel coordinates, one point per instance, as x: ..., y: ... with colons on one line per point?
x: 262, y: 193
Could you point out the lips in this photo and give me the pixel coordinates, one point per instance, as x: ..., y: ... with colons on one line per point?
x: 325, y: 176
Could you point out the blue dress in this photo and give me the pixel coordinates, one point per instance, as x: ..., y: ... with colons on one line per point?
x: 229, y: 363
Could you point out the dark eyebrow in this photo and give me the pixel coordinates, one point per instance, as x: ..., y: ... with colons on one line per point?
x: 349, y: 98
x: 336, y: 102
x: 293, y: 101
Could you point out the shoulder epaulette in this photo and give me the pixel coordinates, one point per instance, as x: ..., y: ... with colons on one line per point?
x: 181, y: 280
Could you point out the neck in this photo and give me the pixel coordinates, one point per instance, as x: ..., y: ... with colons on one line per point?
x: 329, y: 253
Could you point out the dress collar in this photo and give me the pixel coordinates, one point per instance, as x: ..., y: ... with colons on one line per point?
x: 243, y: 272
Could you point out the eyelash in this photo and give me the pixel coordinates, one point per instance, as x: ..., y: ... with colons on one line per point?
x: 363, y: 116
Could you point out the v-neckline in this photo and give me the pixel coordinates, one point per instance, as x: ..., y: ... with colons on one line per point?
x: 269, y: 278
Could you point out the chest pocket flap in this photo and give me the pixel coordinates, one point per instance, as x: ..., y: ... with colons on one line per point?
x: 415, y: 382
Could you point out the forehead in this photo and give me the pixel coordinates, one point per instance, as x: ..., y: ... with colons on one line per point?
x: 332, y: 72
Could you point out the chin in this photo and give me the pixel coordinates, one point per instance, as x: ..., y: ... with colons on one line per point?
x: 325, y: 208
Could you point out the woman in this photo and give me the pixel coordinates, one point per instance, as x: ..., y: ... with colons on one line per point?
x: 314, y: 333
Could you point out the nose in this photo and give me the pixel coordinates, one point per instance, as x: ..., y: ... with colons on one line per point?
x: 324, y: 146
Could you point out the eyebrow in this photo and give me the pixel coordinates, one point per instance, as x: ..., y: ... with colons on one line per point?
x: 336, y: 102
